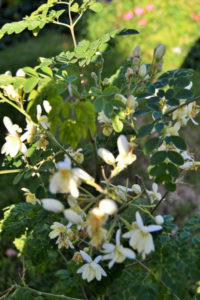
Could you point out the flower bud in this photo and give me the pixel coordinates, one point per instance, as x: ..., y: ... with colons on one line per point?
x: 20, y: 73
x: 94, y: 75
x: 129, y: 73
x: 131, y: 102
x: 52, y: 205
x: 108, y: 206
x: 136, y: 60
x: 142, y: 70
x: 8, y: 73
x: 122, y: 145
x: 137, y: 51
x: 82, y: 175
x: 120, y: 98
x: 137, y: 189
x: 159, y: 220
x: 106, y: 155
x: 159, y: 51
x: 72, y: 216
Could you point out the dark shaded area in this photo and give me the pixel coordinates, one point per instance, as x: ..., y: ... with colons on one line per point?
x: 192, y: 60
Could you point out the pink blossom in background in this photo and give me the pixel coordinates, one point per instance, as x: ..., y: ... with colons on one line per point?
x: 195, y: 17
x: 150, y: 7
x: 11, y: 252
x: 128, y: 15
x: 142, y: 22
x: 139, y: 11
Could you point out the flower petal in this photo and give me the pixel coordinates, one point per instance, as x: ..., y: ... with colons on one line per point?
x: 85, y: 256
x: 152, y: 228
x: 139, y: 219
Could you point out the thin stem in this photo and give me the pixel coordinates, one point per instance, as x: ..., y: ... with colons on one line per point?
x: 61, y: 24
x: 84, y: 292
x: 39, y: 293
x: 177, y: 107
x: 182, y: 105
x: 4, y: 99
x: 94, y: 150
x: 53, y: 139
x: 71, y: 25
x: 64, y: 258
x: 158, y: 204
x: 10, y: 171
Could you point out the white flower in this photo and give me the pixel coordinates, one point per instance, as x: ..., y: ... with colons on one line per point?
x: 92, y: 269
x: 68, y: 179
x: 108, y: 206
x: 117, y: 253
x: 125, y: 157
x: 52, y: 205
x: 20, y: 73
x: 62, y: 233
x: 131, y: 103
x: 30, y: 197
x: 154, y: 195
x: 159, y: 220
x: 14, y: 143
x: 140, y: 237
x: 106, y: 155
x: 103, y: 119
x: 47, y: 106
x: 64, y: 181
x: 173, y: 130
x: 137, y: 189
x: 76, y: 154
x: 121, y: 98
x: 43, y: 119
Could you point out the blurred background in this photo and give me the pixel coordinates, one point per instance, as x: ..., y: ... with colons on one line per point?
x: 175, y: 23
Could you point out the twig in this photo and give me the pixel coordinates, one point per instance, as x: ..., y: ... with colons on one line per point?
x: 84, y: 293
x: 10, y: 171
x: 94, y: 150
x: 161, y: 200
x: 40, y: 293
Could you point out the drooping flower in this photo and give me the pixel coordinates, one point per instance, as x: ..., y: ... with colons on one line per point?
x: 128, y: 15
x: 43, y: 119
x: 14, y: 142
x: 91, y: 269
x: 106, y: 155
x: 125, y: 157
x: 68, y: 179
x: 117, y: 253
x: 140, y: 237
x: 154, y: 195
x: 95, y: 230
x: 106, y: 123
x: 63, y: 234
x: 30, y: 197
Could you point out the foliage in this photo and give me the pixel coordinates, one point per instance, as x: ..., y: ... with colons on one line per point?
x: 93, y: 219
